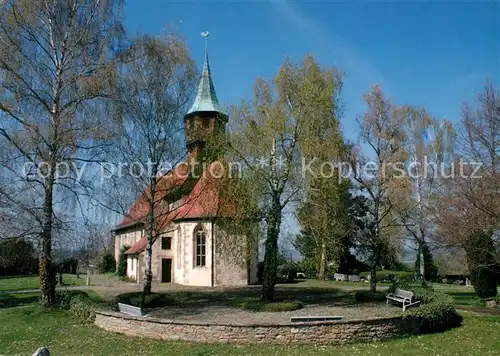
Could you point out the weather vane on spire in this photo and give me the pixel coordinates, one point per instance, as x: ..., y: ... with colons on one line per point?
x: 205, y: 35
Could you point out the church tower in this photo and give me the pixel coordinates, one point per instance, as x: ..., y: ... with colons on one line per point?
x: 205, y: 117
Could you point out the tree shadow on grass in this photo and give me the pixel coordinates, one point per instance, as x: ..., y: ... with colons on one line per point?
x: 465, y: 298
x: 16, y: 300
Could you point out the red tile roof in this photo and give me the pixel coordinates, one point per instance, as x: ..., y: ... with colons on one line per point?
x: 138, y: 246
x: 201, y: 199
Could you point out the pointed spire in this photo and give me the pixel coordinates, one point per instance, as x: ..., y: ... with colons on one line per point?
x: 206, y: 98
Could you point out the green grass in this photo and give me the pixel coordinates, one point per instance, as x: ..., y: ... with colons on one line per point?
x: 466, y: 298
x: 13, y: 300
x: 8, y: 300
x: 255, y: 304
x: 461, y: 294
x: 33, y: 282
x: 314, y: 283
x: 24, y: 329
x: 382, y: 273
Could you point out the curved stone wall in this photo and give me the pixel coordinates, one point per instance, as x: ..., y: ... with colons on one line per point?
x: 336, y: 332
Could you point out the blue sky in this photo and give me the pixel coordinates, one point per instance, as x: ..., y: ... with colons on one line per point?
x: 423, y: 53
x: 435, y: 55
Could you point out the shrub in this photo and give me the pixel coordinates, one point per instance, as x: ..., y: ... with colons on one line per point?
x: 121, y: 270
x: 17, y: 257
x: 308, y: 266
x: 367, y: 297
x: 68, y: 265
x: 78, y: 304
x: 401, y: 276
x: 435, y: 313
x: 288, y: 271
x: 482, y: 264
x: 257, y: 305
x: 107, y: 262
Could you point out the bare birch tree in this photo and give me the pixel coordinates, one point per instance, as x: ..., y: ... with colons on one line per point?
x: 155, y: 83
x: 55, y: 68
x: 380, y: 175
x: 429, y: 144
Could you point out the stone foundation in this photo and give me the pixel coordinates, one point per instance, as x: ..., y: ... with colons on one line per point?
x: 337, y: 332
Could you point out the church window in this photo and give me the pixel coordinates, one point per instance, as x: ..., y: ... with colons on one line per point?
x: 166, y: 243
x: 200, y: 248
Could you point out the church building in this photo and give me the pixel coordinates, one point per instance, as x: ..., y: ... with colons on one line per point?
x: 194, y: 247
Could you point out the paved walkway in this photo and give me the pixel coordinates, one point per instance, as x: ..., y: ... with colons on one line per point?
x: 483, y: 311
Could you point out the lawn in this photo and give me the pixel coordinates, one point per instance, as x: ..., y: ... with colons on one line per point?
x: 461, y: 294
x: 33, y: 282
x: 24, y: 329
x: 314, y: 283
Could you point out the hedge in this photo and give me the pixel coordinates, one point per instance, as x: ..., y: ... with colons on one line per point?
x: 78, y: 304
x: 435, y: 313
x: 401, y: 276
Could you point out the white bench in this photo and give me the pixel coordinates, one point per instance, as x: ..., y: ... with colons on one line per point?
x: 402, y: 296
x: 354, y: 278
x: 129, y: 309
x: 341, y: 277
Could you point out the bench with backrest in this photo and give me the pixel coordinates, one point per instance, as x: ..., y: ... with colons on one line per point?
x: 402, y: 296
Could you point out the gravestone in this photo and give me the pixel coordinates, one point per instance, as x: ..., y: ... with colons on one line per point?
x: 42, y: 351
x: 340, y: 277
x: 354, y: 278
x: 490, y: 303
x: 88, y: 277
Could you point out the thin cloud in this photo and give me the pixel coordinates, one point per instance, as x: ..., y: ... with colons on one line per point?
x: 333, y: 47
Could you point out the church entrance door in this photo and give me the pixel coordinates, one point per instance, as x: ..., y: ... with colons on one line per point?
x: 166, y: 270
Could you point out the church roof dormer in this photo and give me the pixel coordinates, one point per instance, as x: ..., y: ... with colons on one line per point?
x: 206, y: 98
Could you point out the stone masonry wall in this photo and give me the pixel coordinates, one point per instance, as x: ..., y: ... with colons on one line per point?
x: 337, y: 332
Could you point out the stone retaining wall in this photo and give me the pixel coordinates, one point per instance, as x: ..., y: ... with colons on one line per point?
x: 337, y: 332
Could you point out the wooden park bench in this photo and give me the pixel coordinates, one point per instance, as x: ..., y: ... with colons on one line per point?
x: 402, y: 296
x: 129, y: 309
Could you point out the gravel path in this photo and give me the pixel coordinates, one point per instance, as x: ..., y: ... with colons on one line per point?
x: 228, y: 315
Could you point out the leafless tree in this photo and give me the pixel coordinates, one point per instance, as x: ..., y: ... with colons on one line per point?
x: 468, y: 210
x: 155, y: 82
x: 56, y: 67
x: 429, y: 144
x: 382, y: 178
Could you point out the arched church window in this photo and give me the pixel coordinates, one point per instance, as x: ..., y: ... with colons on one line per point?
x: 200, y: 241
